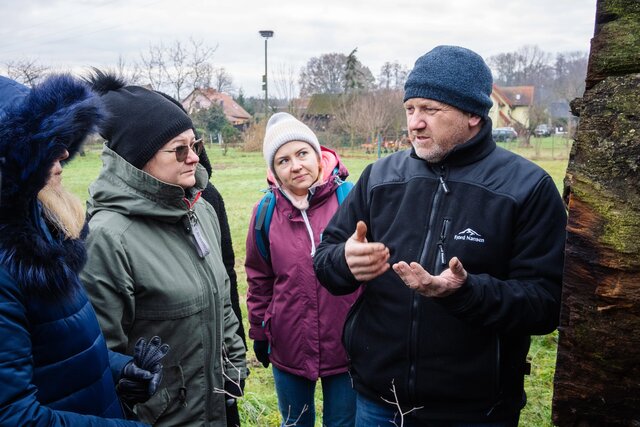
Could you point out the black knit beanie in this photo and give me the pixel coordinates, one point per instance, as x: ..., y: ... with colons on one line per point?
x: 140, y: 121
x: 453, y: 75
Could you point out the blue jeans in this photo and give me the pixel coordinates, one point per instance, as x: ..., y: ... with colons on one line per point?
x: 296, y: 400
x: 380, y: 414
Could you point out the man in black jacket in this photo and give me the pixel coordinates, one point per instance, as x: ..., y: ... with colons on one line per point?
x: 459, y: 246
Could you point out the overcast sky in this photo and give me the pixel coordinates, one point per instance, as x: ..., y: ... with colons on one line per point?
x: 77, y: 34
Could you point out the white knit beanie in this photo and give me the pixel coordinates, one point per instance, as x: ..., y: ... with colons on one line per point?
x: 283, y: 128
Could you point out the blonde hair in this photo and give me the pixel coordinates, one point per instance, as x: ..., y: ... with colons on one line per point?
x: 62, y: 209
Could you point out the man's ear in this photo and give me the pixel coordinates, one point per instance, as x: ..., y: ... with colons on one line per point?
x: 474, y: 120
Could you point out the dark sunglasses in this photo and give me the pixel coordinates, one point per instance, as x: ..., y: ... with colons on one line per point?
x: 182, y: 151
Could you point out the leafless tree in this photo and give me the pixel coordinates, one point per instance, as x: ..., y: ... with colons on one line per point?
x: 154, y: 65
x: 529, y: 65
x: 131, y: 74
x: 392, y: 75
x: 200, y: 63
x: 379, y: 111
x: 369, y: 114
x: 182, y: 67
x: 570, y: 70
x: 284, y: 81
x: 222, y: 80
x: 327, y: 74
x: 26, y: 71
x: 178, y: 71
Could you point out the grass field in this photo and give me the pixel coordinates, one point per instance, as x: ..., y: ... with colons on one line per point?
x: 240, y: 176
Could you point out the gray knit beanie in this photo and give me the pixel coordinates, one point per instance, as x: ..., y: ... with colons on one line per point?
x: 453, y: 75
x: 283, y: 128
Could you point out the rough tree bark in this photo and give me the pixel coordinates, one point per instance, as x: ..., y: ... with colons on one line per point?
x: 597, y: 381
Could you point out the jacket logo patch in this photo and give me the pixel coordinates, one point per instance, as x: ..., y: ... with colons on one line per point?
x: 469, y: 235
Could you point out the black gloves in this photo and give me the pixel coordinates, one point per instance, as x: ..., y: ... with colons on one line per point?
x: 261, y: 349
x: 141, y: 377
x: 233, y: 390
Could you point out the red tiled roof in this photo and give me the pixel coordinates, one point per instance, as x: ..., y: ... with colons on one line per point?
x: 234, y: 112
x: 516, y: 95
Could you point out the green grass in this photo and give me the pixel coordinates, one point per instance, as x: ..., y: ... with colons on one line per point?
x: 240, y: 176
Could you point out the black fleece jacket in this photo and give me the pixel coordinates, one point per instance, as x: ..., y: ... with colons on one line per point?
x: 462, y: 357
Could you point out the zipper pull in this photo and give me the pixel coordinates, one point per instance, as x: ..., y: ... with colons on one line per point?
x: 444, y: 185
x: 196, y: 231
x: 443, y: 259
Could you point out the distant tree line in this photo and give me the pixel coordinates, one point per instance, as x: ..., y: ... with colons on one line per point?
x: 364, y: 107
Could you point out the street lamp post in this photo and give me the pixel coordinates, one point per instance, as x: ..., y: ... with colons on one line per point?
x: 266, y: 34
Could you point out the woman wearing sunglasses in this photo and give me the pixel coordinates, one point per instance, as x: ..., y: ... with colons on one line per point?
x: 155, y: 261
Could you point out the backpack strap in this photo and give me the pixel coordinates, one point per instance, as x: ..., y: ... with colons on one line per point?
x: 263, y: 222
x: 264, y: 213
x: 343, y: 190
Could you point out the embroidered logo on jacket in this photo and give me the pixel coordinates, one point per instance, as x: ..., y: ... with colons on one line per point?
x: 469, y: 235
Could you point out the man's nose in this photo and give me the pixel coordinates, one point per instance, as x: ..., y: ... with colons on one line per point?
x: 416, y: 122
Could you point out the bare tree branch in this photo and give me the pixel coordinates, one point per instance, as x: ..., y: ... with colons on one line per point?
x: 26, y: 71
x: 199, y: 62
x: 131, y: 74
x: 154, y: 65
x: 397, y: 405
x: 284, y: 81
x: 222, y: 80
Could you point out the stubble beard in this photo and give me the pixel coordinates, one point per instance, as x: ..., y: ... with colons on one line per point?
x: 437, y: 150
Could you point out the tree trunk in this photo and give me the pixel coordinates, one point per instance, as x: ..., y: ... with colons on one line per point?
x: 597, y: 380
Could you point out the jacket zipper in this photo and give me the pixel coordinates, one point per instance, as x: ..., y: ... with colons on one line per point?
x: 193, y: 227
x: 441, y: 256
x: 442, y: 190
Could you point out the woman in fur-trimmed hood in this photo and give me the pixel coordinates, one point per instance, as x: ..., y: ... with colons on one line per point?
x: 54, y: 365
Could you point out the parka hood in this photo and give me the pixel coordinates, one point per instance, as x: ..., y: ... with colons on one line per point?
x: 331, y: 166
x: 36, y: 126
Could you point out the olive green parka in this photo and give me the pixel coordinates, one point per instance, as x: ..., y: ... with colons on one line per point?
x: 145, y: 277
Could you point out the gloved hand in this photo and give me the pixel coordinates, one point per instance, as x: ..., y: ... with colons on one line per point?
x: 261, y: 349
x: 233, y: 389
x: 141, y: 377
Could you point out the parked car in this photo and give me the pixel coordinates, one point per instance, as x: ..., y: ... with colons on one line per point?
x: 504, y: 134
x: 542, y: 130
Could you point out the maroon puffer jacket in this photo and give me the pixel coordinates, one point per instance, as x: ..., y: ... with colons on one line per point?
x: 287, y: 305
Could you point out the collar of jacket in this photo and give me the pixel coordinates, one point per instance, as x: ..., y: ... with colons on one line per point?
x: 317, y: 195
x: 123, y: 188
x: 471, y: 151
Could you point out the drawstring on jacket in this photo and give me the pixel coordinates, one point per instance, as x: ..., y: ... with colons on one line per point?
x: 310, y: 231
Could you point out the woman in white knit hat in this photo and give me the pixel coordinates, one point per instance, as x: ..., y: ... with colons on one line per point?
x: 295, y: 323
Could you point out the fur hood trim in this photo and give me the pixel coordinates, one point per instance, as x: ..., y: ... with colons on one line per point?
x: 44, y: 268
x: 56, y: 115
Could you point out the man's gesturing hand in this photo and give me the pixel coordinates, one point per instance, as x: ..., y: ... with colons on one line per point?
x: 416, y: 277
x: 365, y: 260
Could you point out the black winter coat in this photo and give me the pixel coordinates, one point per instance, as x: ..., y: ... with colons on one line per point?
x: 213, y: 196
